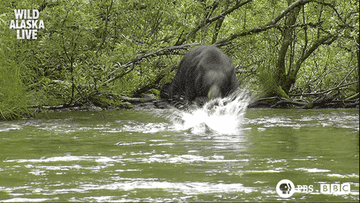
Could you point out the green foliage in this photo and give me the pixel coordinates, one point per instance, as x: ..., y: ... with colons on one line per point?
x: 13, y: 103
x: 91, y: 48
x: 13, y: 98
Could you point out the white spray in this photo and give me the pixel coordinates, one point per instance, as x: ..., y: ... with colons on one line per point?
x: 219, y: 116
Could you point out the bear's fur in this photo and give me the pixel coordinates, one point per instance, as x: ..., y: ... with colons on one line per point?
x: 204, y: 71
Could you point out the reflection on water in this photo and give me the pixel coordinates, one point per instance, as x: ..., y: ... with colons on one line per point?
x: 137, y: 156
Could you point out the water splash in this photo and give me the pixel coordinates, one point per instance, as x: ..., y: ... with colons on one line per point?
x: 220, y: 115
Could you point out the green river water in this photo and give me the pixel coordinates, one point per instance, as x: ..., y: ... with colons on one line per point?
x: 164, y: 155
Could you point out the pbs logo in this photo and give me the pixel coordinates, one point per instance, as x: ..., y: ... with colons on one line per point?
x: 285, y: 188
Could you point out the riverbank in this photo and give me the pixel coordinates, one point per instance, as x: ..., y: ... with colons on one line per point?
x: 150, y: 103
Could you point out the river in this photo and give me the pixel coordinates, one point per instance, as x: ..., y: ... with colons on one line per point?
x: 170, y: 155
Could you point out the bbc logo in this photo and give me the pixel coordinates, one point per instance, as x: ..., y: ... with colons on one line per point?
x: 336, y: 189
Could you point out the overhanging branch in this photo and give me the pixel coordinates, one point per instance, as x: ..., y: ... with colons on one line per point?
x: 165, y: 51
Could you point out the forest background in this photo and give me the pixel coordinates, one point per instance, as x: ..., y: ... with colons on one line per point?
x: 106, y: 52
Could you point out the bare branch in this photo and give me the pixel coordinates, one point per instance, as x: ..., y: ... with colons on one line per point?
x: 324, y: 92
x: 328, y: 39
x: 210, y: 20
x: 346, y: 76
x: 333, y: 7
x: 221, y: 15
x: 105, y: 28
x: 288, y: 9
x: 269, y: 25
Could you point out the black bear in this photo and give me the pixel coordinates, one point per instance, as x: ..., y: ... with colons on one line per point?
x: 204, y: 72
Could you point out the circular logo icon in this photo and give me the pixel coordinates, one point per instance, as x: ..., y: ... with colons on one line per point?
x: 285, y: 188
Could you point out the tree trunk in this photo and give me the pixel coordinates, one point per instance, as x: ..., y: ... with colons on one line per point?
x: 219, y: 23
x: 291, y: 75
x: 288, y: 37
